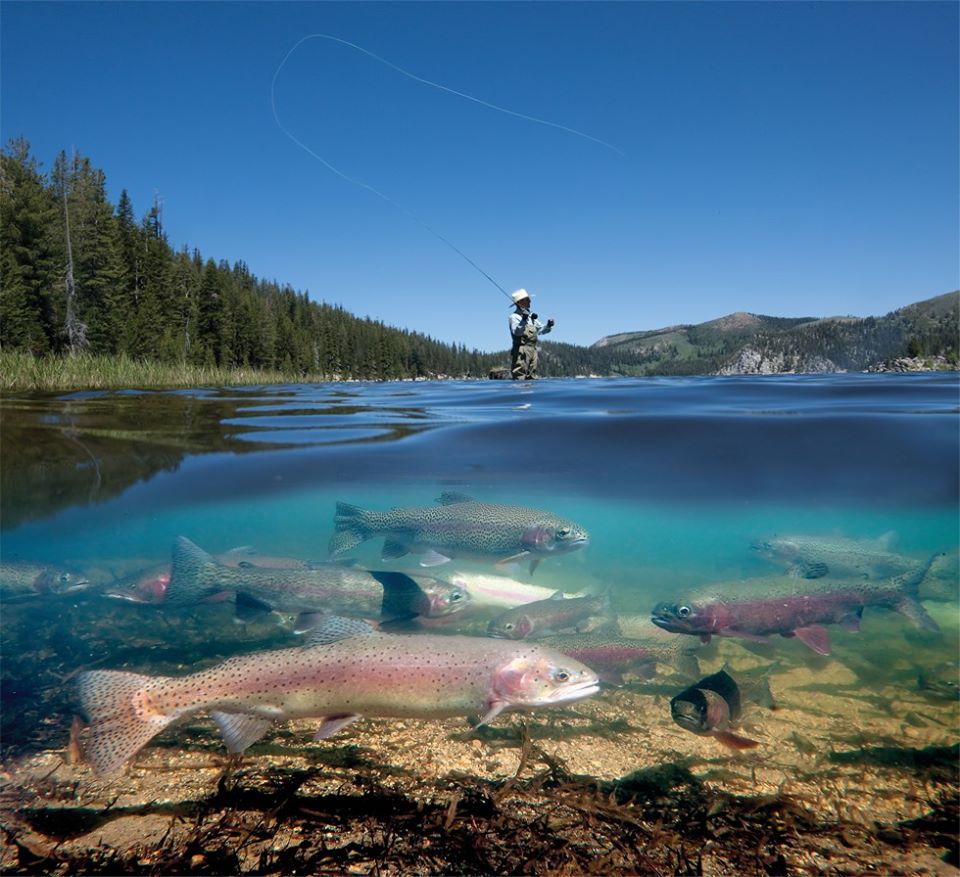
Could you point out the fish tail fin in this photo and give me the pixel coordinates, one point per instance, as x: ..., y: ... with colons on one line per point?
x: 121, y: 720
x: 350, y: 525
x: 909, y: 604
x: 187, y: 573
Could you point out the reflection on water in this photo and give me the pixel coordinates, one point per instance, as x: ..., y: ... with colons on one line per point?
x: 849, y: 438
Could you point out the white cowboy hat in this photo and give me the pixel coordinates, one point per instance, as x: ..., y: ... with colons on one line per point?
x: 519, y: 295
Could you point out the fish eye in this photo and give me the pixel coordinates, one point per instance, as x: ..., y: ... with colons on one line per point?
x: 683, y: 611
x: 563, y: 532
x: 64, y: 578
x: 508, y: 626
x: 455, y: 595
x: 561, y: 676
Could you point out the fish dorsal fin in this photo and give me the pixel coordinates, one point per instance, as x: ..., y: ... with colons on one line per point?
x: 725, y: 685
x: 335, y: 628
x: 557, y: 595
x: 451, y: 497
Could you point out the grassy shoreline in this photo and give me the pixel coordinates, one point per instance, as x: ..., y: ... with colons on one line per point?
x: 24, y: 372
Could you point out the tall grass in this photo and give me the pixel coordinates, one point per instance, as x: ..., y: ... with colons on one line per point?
x: 22, y: 372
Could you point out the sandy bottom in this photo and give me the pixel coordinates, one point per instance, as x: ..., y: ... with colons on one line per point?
x: 857, y: 772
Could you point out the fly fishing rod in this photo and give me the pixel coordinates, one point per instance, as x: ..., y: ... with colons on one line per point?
x: 408, y: 213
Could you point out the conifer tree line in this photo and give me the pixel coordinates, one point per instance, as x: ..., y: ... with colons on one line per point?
x: 80, y: 274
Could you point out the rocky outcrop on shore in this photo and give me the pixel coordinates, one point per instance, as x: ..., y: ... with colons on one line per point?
x: 916, y: 364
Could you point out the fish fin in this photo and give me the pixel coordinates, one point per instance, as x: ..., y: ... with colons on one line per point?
x: 534, y: 563
x: 513, y: 558
x: 307, y: 621
x: 725, y: 685
x: 394, y: 548
x: 350, y: 526
x: 335, y: 627
x: 493, y: 710
x: 815, y: 637
x: 734, y: 741
x: 119, y: 725
x: 433, y: 558
x: 402, y: 596
x: 247, y: 608
x: 912, y: 609
x: 451, y: 497
x: 557, y: 595
x: 239, y: 730
x: 190, y: 563
x: 344, y: 540
x: 332, y: 724
x: 814, y: 570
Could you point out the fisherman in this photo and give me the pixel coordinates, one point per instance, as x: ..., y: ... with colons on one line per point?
x: 524, y: 329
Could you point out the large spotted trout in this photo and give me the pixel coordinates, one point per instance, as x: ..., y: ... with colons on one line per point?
x: 459, y: 527
x: 346, y: 671
x: 791, y: 607
x: 327, y: 588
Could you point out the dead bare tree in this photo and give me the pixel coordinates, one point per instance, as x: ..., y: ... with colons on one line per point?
x: 75, y: 328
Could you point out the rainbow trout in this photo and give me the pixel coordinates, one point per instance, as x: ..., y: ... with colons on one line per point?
x: 459, y: 527
x: 346, y: 670
x: 331, y: 588
x: 22, y: 580
x: 814, y: 556
x: 710, y: 708
x: 792, y: 607
x: 613, y: 655
x: 553, y: 615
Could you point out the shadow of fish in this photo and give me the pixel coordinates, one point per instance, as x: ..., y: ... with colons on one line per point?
x: 459, y: 527
x: 791, y: 607
x: 709, y: 708
x: 345, y: 671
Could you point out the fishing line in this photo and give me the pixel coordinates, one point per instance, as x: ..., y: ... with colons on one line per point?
x: 409, y: 214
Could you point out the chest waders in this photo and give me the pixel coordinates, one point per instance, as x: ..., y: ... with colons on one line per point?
x: 523, y: 354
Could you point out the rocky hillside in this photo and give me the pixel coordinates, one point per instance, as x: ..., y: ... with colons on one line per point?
x: 743, y: 343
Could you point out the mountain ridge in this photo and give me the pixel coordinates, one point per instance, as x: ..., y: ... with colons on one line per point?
x: 746, y: 343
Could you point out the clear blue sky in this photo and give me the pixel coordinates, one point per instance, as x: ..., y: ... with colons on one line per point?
x: 785, y: 159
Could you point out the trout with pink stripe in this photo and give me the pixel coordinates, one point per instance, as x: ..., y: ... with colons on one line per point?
x: 346, y: 671
x: 792, y: 607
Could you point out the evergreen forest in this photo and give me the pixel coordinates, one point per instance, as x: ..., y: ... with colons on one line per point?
x: 80, y: 275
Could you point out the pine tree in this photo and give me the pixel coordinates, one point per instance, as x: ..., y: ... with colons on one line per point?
x: 27, y: 257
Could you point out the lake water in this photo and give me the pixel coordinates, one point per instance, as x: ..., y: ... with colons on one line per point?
x: 675, y: 480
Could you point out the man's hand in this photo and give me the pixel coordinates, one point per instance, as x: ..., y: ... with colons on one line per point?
x: 533, y: 316
x: 551, y: 322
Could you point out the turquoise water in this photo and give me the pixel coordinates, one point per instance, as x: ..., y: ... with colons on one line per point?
x: 673, y: 478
